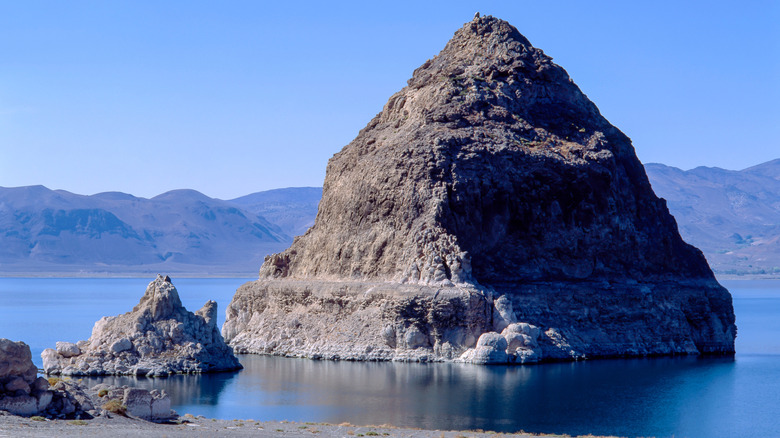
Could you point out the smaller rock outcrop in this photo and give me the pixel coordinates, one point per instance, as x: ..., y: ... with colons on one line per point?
x: 22, y: 392
x: 517, y: 343
x: 158, y: 337
x: 148, y: 405
x: 490, y: 349
x: 70, y: 400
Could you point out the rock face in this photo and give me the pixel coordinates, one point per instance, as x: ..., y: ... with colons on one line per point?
x: 489, y: 206
x: 22, y: 392
x: 70, y: 400
x: 157, y: 338
x: 148, y: 405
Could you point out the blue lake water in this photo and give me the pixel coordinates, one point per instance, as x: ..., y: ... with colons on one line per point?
x: 693, y: 397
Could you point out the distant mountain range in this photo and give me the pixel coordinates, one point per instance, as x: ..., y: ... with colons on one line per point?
x: 182, y: 231
x: 292, y: 209
x: 732, y: 216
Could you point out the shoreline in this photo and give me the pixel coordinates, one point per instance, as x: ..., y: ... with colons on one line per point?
x: 190, y: 426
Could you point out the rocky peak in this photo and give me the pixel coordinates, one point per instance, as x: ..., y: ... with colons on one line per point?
x: 483, y: 42
x: 490, y: 72
x: 489, y: 213
x: 209, y: 314
x: 161, y: 299
x: 157, y: 338
x: 490, y: 166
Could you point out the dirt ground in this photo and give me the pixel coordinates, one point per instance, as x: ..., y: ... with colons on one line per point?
x: 189, y: 426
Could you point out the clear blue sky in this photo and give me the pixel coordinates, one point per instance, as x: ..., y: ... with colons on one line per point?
x: 234, y: 97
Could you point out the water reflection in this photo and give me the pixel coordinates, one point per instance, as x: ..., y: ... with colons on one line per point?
x: 204, y: 389
x: 656, y: 396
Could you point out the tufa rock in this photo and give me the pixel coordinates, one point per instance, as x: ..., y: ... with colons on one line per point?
x: 148, y: 405
x: 488, y: 192
x: 491, y: 349
x: 157, y: 338
x: 16, y: 362
x: 22, y: 392
x: 70, y: 400
x: 140, y: 403
x: 68, y: 349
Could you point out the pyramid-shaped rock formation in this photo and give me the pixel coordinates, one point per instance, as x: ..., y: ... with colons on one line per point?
x: 158, y: 337
x: 490, y: 214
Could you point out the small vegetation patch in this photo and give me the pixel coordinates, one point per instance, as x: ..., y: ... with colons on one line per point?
x: 102, y: 393
x: 371, y: 433
x: 78, y: 422
x: 53, y: 380
x: 37, y: 418
x: 116, y: 407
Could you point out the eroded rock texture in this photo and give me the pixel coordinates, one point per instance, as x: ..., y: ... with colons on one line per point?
x: 488, y: 192
x: 157, y: 338
x: 22, y: 392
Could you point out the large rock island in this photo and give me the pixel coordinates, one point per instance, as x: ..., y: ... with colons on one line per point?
x: 488, y: 214
x: 157, y: 338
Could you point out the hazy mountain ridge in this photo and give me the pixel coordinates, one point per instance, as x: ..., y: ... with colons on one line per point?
x: 293, y: 208
x: 733, y: 216
x: 181, y: 230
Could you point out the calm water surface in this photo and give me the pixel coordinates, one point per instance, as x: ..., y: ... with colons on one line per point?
x: 720, y: 397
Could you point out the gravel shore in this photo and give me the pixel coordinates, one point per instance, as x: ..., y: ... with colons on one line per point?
x: 188, y: 426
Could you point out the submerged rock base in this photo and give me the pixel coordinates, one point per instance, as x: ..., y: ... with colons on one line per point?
x: 536, y: 322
